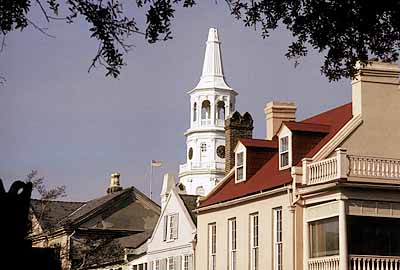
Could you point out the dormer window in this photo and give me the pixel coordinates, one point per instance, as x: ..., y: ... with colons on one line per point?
x: 284, y: 152
x: 240, y: 167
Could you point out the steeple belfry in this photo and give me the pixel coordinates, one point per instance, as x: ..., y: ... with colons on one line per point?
x: 212, y: 75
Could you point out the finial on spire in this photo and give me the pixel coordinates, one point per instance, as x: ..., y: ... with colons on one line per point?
x: 213, y: 72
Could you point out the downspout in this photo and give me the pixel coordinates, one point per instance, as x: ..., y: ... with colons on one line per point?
x: 292, y: 210
x: 69, y: 248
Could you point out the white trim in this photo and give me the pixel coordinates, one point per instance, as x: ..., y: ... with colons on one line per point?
x: 339, y: 137
x: 245, y: 198
x: 242, y: 166
x: 284, y: 131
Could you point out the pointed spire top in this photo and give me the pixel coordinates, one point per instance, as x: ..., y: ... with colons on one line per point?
x: 213, y: 72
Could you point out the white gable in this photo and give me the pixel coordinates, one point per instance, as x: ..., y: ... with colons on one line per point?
x: 158, y: 246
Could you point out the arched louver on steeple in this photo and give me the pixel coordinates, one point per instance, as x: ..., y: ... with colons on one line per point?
x: 221, y: 110
x: 195, y: 112
x: 205, y: 110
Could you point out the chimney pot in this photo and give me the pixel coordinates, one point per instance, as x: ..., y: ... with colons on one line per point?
x: 114, y: 183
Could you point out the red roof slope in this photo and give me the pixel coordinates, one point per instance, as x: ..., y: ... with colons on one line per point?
x: 269, y: 176
x: 259, y: 143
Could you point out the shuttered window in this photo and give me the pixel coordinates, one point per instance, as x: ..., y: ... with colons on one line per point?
x: 171, y: 227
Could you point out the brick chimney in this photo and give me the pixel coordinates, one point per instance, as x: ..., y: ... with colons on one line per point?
x: 114, y: 183
x: 236, y: 127
x: 276, y: 113
x: 375, y: 90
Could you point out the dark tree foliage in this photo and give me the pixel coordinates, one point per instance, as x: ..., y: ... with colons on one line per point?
x: 344, y: 31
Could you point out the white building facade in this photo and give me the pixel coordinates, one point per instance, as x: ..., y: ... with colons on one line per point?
x: 211, y: 101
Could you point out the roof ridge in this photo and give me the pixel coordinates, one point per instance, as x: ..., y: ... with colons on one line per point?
x: 39, y: 200
x: 327, y: 111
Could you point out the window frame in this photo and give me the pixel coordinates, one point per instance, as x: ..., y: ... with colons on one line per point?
x: 242, y: 166
x: 277, y: 238
x: 212, y: 246
x: 232, y: 243
x: 171, y: 230
x: 254, y: 241
x: 286, y: 151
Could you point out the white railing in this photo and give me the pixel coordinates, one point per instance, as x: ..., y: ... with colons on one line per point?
x: 371, y: 262
x: 325, y: 170
x: 373, y: 167
x: 322, y: 171
x: 206, y: 122
x: 324, y: 263
x: 201, y: 165
x: 220, y: 122
x: 342, y: 166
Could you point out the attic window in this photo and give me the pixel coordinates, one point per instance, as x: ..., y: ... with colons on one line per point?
x: 240, y: 167
x: 284, y: 152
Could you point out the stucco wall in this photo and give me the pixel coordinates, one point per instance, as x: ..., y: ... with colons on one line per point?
x: 377, y: 97
x: 241, y: 212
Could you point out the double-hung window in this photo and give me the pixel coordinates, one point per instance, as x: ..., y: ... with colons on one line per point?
x: 239, y: 166
x: 284, y: 152
x: 254, y: 247
x: 212, y: 246
x: 188, y: 262
x: 277, y: 229
x: 171, y: 263
x: 171, y: 227
x: 232, y: 243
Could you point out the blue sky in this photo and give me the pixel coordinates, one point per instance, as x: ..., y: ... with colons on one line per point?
x: 76, y: 128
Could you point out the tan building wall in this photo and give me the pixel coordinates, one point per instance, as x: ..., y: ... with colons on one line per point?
x: 376, y: 96
x: 264, y: 206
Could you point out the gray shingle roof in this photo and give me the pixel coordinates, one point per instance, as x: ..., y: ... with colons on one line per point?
x: 190, y: 202
x: 49, y: 213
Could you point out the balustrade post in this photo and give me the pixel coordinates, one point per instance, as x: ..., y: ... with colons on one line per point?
x: 342, y: 163
x: 306, y: 175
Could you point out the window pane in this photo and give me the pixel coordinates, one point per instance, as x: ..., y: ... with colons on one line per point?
x: 284, y: 144
x: 324, y: 236
x: 239, y: 159
x: 239, y: 173
x: 284, y: 159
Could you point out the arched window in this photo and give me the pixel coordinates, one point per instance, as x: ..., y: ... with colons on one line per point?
x: 195, y: 112
x: 205, y: 109
x: 221, y: 110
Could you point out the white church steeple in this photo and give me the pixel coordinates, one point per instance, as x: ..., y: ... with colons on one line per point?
x: 211, y: 101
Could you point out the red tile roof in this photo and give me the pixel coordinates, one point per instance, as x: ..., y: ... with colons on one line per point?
x: 269, y: 176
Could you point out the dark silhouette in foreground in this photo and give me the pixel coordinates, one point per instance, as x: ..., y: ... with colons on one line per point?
x: 16, y: 250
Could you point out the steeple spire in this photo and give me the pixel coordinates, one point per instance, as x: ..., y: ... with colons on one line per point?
x: 213, y: 72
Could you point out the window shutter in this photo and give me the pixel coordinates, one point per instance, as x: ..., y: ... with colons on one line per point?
x: 175, y: 222
x: 177, y: 262
x: 164, y: 264
x: 151, y: 265
x: 190, y: 262
x: 165, y: 227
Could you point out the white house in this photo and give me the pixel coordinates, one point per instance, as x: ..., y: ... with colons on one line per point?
x: 171, y: 246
